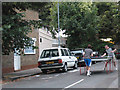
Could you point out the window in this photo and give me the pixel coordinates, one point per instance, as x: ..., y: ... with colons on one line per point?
x: 62, y: 52
x: 66, y: 53
x: 69, y: 53
x: 54, y: 53
x: 45, y: 54
x: 78, y: 54
x: 30, y: 50
x: 40, y: 39
x: 49, y: 53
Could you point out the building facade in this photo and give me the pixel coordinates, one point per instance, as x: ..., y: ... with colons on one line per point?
x: 45, y: 39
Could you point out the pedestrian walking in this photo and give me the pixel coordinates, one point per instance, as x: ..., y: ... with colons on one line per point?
x: 111, y: 55
x: 88, y: 52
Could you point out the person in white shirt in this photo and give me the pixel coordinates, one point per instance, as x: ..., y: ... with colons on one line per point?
x: 111, y: 54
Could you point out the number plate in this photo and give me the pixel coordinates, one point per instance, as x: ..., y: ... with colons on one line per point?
x: 49, y: 62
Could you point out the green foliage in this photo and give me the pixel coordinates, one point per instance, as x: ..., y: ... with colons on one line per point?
x: 109, y: 25
x: 87, y: 23
x: 79, y: 20
x: 45, y: 16
x: 84, y: 23
x: 15, y: 28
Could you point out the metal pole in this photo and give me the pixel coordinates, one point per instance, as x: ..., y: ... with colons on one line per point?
x: 58, y: 27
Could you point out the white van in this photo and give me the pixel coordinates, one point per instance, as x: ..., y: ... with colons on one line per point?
x: 56, y: 58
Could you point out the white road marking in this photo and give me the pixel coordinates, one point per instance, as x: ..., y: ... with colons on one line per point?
x: 74, y: 70
x: 47, y: 78
x: 50, y: 77
x: 64, y: 73
x: 37, y: 75
x: 44, y: 78
x: 57, y: 75
x: 74, y: 84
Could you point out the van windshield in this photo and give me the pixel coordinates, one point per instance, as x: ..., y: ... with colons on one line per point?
x: 78, y: 54
x: 49, y: 53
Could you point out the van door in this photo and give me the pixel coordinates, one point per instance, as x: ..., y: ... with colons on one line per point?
x: 68, y: 58
x: 72, y: 61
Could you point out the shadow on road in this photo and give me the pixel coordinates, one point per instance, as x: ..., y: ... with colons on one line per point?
x: 57, y: 71
x: 101, y: 72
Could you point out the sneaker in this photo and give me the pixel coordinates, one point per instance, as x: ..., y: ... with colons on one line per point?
x: 88, y: 74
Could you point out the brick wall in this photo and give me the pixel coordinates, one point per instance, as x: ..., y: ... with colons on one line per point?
x: 30, y: 60
x: 8, y: 63
x: 31, y: 15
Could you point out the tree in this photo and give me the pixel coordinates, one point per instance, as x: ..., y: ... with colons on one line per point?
x: 45, y: 16
x: 109, y: 25
x: 80, y: 22
x: 14, y: 28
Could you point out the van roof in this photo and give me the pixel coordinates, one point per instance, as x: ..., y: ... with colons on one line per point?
x: 55, y: 48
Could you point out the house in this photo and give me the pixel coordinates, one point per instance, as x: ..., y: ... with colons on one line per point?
x: 42, y: 39
x: 45, y: 39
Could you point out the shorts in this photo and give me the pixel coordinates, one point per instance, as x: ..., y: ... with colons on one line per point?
x: 87, y: 62
x: 113, y: 58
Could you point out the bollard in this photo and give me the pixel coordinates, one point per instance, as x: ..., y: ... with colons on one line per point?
x: 84, y: 69
x: 80, y: 69
x: 106, y: 66
x: 109, y: 66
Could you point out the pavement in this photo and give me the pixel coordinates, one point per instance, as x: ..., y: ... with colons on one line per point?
x: 21, y: 74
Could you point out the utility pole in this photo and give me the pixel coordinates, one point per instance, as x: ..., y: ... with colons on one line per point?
x: 58, y: 27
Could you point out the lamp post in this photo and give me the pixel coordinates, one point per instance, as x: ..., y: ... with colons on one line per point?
x: 58, y: 27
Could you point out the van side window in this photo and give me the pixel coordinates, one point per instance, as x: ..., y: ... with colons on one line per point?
x: 54, y: 53
x: 62, y: 52
x: 69, y: 53
x: 66, y: 53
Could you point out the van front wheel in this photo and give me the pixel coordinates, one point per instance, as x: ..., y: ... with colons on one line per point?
x: 44, y: 71
x: 75, y: 66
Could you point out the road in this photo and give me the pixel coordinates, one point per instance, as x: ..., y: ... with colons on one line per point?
x: 70, y: 79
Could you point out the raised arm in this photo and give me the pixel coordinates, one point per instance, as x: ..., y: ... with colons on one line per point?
x: 83, y: 53
x: 92, y: 53
x: 113, y: 51
x: 103, y: 55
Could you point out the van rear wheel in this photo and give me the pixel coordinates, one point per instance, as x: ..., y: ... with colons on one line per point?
x: 65, y: 69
